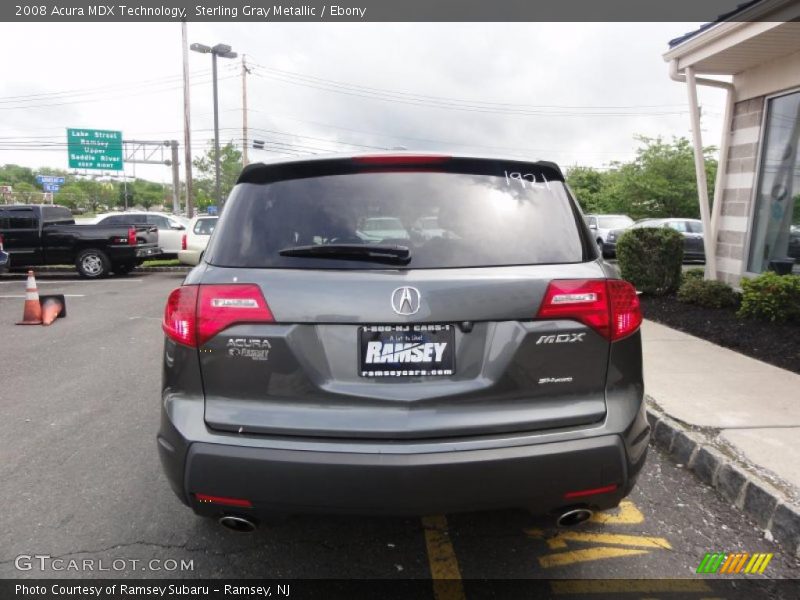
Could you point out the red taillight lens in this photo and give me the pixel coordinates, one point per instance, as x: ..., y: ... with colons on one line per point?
x: 1, y: 241
x: 194, y: 314
x: 240, y: 502
x: 179, y: 315
x: 220, y: 306
x: 183, y: 242
x: 610, y: 307
x: 131, y: 236
x: 400, y: 160
x: 626, y: 314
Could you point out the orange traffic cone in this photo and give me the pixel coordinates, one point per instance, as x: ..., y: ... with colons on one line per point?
x: 32, y: 314
x: 52, y: 308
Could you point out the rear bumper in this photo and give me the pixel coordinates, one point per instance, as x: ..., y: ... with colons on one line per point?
x: 400, y: 479
x: 189, y: 257
x: 147, y: 252
x: 280, y: 481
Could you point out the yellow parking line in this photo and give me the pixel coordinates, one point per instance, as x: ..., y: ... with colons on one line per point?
x: 628, y: 515
x: 643, y: 541
x: 573, y: 556
x: 630, y: 586
x: 442, y: 559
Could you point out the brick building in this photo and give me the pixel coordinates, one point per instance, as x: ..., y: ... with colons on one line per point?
x: 756, y: 203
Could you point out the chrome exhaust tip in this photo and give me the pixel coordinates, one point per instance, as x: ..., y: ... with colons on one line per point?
x: 574, y: 517
x: 237, y: 524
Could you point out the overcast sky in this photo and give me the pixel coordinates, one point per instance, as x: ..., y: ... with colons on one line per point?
x: 573, y: 93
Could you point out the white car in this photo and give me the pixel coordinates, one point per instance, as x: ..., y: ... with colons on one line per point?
x: 196, y: 238
x: 170, y: 227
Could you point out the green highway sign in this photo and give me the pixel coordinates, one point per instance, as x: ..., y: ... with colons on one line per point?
x: 94, y: 149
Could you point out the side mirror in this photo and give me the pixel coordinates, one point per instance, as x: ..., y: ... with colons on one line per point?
x: 177, y: 227
x: 593, y: 227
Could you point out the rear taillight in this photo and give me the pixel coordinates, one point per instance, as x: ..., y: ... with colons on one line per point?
x: 194, y: 314
x: 131, y: 236
x: 180, y: 322
x: 220, y: 306
x: 610, y: 307
x: 183, y: 242
x: 1, y: 241
x: 626, y: 313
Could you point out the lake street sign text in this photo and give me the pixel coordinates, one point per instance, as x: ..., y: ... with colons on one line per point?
x: 94, y: 149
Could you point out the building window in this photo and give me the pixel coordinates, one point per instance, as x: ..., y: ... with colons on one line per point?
x: 776, y: 226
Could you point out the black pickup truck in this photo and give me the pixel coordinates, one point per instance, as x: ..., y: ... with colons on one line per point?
x: 36, y: 234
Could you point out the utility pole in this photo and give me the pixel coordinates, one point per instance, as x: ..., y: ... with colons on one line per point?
x: 176, y: 178
x: 245, y: 71
x: 187, y: 128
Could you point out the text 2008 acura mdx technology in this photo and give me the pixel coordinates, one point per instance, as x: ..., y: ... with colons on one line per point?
x: 401, y: 334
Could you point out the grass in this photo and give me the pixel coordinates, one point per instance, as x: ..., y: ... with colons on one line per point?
x: 163, y: 262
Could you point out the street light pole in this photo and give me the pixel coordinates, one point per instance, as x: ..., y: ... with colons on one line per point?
x: 224, y: 51
x: 217, y: 192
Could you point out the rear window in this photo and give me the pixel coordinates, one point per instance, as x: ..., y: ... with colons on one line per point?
x: 205, y: 226
x: 445, y: 220
x: 615, y: 222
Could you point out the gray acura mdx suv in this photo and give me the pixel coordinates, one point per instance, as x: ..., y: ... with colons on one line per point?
x: 475, y: 354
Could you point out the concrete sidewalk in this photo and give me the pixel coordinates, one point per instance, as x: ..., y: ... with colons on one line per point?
x: 733, y: 420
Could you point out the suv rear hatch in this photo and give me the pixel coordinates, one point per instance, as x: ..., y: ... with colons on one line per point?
x: 399, y: 298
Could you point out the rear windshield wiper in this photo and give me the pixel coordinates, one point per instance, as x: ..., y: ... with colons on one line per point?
x: 374, y: 252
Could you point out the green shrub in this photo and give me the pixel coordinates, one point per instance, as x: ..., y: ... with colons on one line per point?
x: 696, y: 273
x: 650, y: 258
x: 711, y: 294
x: 771, y: 297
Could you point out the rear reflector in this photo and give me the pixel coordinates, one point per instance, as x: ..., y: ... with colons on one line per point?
x: 400, y: 160
x: 611, y: 307
x: 194, y: 314
x: 240, y: 502
x: 592, y: 492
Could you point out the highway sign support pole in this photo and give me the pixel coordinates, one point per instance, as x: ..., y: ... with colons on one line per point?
x: 176, y: 178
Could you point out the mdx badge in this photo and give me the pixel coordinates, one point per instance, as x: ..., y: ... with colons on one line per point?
x: 562, y: 338
x: 406, y: 301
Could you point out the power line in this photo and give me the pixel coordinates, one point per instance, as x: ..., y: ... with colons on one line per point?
x: 454, y: 103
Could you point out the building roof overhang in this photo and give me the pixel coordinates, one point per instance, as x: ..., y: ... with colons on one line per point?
x: 761, y: 32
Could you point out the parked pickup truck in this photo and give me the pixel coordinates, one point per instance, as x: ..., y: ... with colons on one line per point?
x: 36, y: 234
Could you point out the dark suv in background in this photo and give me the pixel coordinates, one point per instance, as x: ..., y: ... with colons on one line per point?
x: 480, y: 357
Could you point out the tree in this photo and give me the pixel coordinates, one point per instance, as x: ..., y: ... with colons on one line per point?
x: 659, y: 182
x: 73, y: 196
x: 26, y: 193
x: 589, y: 185
x: 13, y: 175
x: 230, y: 159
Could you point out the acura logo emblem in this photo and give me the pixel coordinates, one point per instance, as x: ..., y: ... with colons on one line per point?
x: 406, y: 300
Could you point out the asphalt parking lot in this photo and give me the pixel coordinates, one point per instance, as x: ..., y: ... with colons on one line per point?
x: 81, y: 479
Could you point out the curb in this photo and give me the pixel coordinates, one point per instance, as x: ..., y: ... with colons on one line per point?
x: 769, y: 507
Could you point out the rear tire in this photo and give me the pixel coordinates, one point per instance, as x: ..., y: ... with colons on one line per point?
x: 92, y: 264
